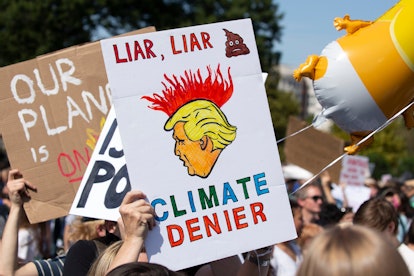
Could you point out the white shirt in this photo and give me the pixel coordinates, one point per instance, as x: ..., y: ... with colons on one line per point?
x: 283, y: 264
x: 28, y: 247
x: 408, y: 256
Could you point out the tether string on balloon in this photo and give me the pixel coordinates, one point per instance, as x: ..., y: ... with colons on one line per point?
x: 357, y: 144
x: 293, y: 134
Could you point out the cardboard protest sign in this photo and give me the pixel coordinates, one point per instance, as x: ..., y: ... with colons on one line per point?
x: 312, y: 149
x: 107, y: 169
x: 198, y: 140
x: 50, y: 113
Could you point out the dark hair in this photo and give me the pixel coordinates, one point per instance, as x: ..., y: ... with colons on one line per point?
x: 330, y: 214
x: 409, y: 236
x: 142, y: 269
x: 377, y: 213
x: 294, y: 204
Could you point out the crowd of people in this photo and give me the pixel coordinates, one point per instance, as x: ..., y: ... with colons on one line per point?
x: 333, y: 239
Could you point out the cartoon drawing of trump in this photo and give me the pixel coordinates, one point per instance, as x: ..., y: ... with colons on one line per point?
x: 200, y: 129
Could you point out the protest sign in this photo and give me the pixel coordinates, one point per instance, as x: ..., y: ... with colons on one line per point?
x: 51, y: 109
x: 198, y: 140
x: 312, y: 149
x: 355, y: 169
x: 107, y: 169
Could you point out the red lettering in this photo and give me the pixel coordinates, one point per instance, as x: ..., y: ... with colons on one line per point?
x: 226, y: 215
x: 148, y: 45
x: 209, y: 224
x: 138, y: 51
x: 175, y: 52
x: 205, y: 37
x: 74, y: 164
x: 118, y: 60
x: 192, y: 229
x: 128, y: 51
x: 180, y: 232
x: 184, y: 44
x: 238, y: 217
x: 257, y: 212
x: 79, y: 157
x: 62, y: 157
x: 194, y: 42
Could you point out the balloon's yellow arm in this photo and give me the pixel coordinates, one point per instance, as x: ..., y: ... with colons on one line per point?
x: 355, y: 138
x: 349, y: 25
x: 306, y: 69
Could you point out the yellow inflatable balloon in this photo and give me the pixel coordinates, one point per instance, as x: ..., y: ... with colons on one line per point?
x: 367, y: 76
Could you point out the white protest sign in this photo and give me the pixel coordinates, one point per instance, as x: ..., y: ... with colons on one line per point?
x: 355, y: 195
x: 355, y: 169
x: 199, y: 141
x: 106, y: 178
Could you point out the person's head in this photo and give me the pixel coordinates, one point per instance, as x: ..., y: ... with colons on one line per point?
x: 142, y: 269
x: 101, y: 264
x: 372, y: 184
x: 84, y: 228
x: 408, y: 188
x: 330, y: 214
x: 391, y: 195
x: 310, y: 198
x: 309, y: 232
x: 379, y: 214
x: 352, y: 250
x: 201, y: 132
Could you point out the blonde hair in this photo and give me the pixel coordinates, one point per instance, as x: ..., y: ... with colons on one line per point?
x: 352, y: 250
x: 204, y: 118
x: 84, y: 230
x: 309, y: 232
x: 101, y: 264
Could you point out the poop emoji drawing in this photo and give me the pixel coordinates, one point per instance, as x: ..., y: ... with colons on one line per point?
x: 235, y: 45
x: 200, y: 129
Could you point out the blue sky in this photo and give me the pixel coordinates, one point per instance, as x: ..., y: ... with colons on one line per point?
x: 308, y: 25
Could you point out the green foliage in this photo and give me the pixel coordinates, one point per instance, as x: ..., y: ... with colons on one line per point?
x: 29, y: 28
x: 392, y: 149
x: 282, y: 105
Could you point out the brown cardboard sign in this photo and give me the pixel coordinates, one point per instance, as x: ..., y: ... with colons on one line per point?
x: 51, y: 113
x: 313, y: 149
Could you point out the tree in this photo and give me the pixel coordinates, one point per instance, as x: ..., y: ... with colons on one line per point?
x: 29, y: 28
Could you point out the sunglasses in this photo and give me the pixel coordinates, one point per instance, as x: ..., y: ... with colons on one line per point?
x: 316, y: 198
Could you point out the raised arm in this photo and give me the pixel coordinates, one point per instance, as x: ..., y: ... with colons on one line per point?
x: 18, y: 193
x: 137, y: 217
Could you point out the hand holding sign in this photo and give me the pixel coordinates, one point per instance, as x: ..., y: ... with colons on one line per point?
x: 18, y: 188
x: 137, y: 217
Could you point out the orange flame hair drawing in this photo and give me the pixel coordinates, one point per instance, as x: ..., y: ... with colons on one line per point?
x: 192, y: 87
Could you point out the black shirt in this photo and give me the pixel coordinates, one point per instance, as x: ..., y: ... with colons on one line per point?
x: 83, y: 253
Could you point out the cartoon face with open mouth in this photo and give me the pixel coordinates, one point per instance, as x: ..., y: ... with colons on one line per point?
x: 235, y: 45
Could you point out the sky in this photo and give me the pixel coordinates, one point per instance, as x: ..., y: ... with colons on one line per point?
x: 308, y: 25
